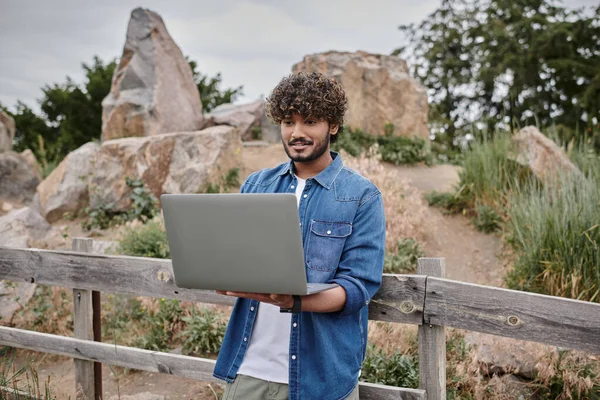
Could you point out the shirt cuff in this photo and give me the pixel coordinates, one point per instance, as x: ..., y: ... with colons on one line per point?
x: 357, y: 296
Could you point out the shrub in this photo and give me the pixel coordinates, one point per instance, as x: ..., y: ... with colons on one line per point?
x: 404, y: 259
x: 163, y: 324
x: 394, y: 370
x: 203, y: 333
x: 486, y: 220
x: 148, y: 240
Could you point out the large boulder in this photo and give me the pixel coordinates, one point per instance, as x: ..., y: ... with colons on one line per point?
x: 7, y: 132
x: 33, y: 163
x: 153, y: 89
x: 66, y: 188
x: 18, y: 179
x: 379, y: 88
x: 13, y: 295
x: 545, y: 159
x: 182, y: 162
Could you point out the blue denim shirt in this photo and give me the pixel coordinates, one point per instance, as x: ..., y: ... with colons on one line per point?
x: 343, y: 233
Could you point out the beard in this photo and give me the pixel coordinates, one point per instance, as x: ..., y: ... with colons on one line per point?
x: 309, y: 154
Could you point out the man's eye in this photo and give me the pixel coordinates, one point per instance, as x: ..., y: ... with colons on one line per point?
x: 311, y: 122
x: 287, y: 122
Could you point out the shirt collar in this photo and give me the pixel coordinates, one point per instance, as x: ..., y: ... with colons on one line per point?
x: 326, y: 177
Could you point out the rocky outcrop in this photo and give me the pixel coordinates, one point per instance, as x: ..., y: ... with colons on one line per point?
x: 545, y: 159
x: 250, y: 120
x: 379, y: 88
x: 7, y: 132
x: 18, y: 179
x: 66, y: 188
x: 183, y: 162
x: 32, y: 161
x: 153, y: 89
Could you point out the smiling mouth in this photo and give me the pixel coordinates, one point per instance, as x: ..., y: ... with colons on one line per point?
x: 299, y: 145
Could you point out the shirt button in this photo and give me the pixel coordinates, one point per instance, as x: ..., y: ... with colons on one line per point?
x: 329, y: 232
x: 305, y: 196
x: 367, y: 303
x: 251, y: 308
x: 293, y: 187
x: 295, y: 325
x: 293, y: 357
x: 245, y: 339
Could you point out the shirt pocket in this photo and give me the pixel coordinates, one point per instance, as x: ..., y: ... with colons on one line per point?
x: 325, y: 244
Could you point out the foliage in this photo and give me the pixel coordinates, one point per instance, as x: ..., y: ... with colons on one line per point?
x: 396, y: 370
x: 162, y: 324
x: 227, y: 182
x: 203, y: 333
x: 256, y: 133
x: 144, y: 206
x: 395, y: 149
x: 450, y: 202
x: 404, y: 259
x: 508, y: 64
x: 209, y: 88
x: 149, y: 240
x: 486, y: 220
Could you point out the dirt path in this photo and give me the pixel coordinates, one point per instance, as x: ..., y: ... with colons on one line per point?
x: 470, y: 255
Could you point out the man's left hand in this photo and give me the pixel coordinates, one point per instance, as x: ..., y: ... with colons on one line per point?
x: 279, y: 300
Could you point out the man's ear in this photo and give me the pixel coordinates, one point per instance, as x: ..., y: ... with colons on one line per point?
x: 333, y: 129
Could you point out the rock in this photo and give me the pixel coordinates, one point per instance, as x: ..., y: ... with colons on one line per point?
x: 545, y: 159
x: 245, y: 117
x: 21, y: 226
x: 17, y: 179
x: 153, y: 89
x: 13, y: 295
x: 66, y: 188
x: 379, y: 91
x: 500, y: 356
x: 6, y: 207
x: 7, y: 132
x: 270, y: 131
x: 182, y: 162
x: 32, y: 161
x: 139, y: 396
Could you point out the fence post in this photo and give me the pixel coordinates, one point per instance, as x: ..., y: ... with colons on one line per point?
x: 82, y: 321
x: 432, y: 340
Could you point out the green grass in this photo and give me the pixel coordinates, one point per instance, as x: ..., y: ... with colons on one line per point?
x: 149, y: 240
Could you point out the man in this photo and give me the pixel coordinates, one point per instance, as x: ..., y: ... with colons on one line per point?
x: 316, y: 351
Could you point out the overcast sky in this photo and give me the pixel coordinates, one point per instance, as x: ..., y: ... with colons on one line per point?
x: 251, y: 42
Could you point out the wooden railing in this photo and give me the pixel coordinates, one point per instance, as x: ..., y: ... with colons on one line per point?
x: 426, y: 299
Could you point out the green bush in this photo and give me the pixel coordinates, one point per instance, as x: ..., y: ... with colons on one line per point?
x: 256, y: 133
x: 404, y: 259
x: 450, y: 202
x: 148, y: 240
x: 486, y: 220
x: 394, y: 149
x: 144, y: 207
x: 162, y: 326
x: 203, y: 333
x: 394, y: 370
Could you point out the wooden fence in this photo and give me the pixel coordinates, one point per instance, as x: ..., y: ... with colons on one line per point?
x: 425, y: 299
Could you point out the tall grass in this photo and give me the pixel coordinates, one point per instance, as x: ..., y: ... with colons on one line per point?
x: 553, y: 226
x: 556, y: 230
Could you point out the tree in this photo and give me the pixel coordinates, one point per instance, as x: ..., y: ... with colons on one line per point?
x: 210, y: 94
x: 508, y: 63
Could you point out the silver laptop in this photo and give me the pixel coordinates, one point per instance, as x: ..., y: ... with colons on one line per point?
x: 237, y: 242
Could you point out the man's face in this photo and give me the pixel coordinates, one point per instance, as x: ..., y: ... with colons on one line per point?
x: 306, y: 139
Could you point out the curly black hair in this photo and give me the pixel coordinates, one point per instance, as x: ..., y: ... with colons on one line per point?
x: 310, y: 95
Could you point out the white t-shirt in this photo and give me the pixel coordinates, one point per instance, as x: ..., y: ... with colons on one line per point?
x: 267, y: 356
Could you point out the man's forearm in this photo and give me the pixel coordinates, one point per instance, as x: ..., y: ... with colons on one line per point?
x: 328, y: 301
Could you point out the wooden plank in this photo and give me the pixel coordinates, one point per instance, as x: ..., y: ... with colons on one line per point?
x: 400, y: 299
x: 154, y: 278
x: 370, y: 391
x: 128, y: 357
x: 432, y: 339
x: 146, y: 360
x: 114, y: 274
x: 82, y: 329
x: 528, y: 316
